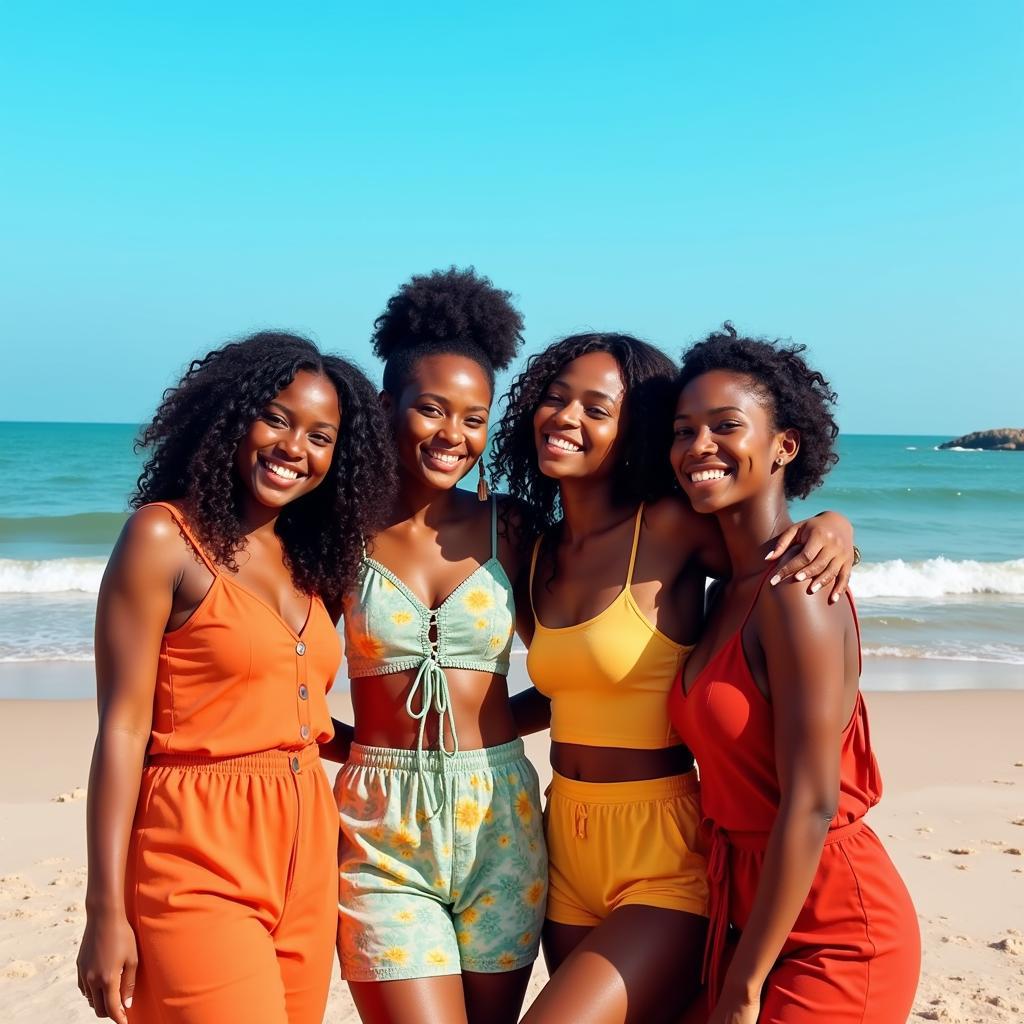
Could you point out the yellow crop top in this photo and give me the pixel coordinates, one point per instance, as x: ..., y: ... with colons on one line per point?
x: 608, y: 677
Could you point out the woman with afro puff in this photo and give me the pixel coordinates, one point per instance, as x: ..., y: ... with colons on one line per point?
x: 769, y: 701
x: 443, y: 864
x: 617, y: 593
x: 212, y: 831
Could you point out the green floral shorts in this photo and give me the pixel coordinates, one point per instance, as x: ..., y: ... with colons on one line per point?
x: 442, y: 871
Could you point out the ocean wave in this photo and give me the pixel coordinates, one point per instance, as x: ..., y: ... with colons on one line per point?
x: 1005, y: 655
x: 51, y: 575
x: 82, y: 528
x: 938, y: 577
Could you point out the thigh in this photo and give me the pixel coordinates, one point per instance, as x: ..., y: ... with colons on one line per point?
x: 410, y: 1001
x: 639, y: 964
x: 212, y: 963
x: 495, y: 998
x: 559, y: 940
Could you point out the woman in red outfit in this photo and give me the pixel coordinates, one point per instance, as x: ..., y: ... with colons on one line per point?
x: 770, y: 704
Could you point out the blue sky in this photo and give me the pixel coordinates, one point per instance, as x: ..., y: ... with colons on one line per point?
x: 848, y: 176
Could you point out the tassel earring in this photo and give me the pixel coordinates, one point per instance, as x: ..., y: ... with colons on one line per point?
x: 483, y: 492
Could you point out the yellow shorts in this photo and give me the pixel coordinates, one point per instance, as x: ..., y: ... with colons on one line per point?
x: 616, y: 844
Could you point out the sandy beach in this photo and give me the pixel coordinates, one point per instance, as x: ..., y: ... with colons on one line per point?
x: 952, y: 817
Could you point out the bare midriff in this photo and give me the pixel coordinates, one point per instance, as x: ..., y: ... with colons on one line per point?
x: 480, y: 709
x: 618, y: 764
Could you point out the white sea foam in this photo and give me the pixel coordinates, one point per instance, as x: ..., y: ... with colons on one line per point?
x: 938, y: 577
x: 51, y: 576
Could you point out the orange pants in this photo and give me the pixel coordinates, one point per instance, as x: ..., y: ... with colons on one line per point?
x: 232, y: 889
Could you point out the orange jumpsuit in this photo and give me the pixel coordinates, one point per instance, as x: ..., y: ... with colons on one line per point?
x: 854, y: 953
x: 232, y: 875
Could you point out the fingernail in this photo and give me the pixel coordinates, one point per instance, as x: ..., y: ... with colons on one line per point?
x: 832, y: 598
x: 770, y: 555
x: 128, y: 1003
x: 801, y: 576
x: 815, y: 588
x: 774, y: 580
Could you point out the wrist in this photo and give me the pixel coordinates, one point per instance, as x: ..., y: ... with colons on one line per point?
x: 105, y: 906
x: 745, y: 991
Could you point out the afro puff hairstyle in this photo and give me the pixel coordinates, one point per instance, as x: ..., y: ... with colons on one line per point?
x: 194, y: 437
x: 447, y: 312
x: 643, y: 472
x: 798, y: 397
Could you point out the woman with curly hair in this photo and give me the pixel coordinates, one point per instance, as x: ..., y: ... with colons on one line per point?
x: 212, y: 832
x: 770, y: 703
x: 617, y: 589
x: 443, y: 866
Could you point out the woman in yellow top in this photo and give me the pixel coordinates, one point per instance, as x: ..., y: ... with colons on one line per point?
x: 617, y: 591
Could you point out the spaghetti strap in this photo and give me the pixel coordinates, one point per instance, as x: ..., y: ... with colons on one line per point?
x: 186, y: 530
x: 533, y: 569
x: 494, y: 527
x: 636, y: 544
x: 753, y: 603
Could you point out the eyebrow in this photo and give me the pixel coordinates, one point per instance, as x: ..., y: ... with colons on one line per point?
x: 441, y: 400
x: 284, y: 408
x: 587, y: 394
x: 711, y: 412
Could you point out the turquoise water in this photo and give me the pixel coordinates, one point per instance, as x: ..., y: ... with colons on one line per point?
x: 942, y: 536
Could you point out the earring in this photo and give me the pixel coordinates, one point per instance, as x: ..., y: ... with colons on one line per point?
x: 483, y: 492
x: 780, y: 461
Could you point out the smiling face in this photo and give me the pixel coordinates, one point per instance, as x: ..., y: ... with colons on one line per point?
x: 726, y: 446
x: 440, y: 419
x: 578, y: 424
x: 288, y: 449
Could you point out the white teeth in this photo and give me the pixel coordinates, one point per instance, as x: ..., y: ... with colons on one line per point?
x: 444, y: 457
x: 708, y: 474
x: 281, y: 471
x: 566, y: 446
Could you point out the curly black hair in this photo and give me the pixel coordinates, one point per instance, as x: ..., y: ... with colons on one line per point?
x: 446, y: 312
x: 798, y: 397
x: 643, y: 472
x: 194, y: 437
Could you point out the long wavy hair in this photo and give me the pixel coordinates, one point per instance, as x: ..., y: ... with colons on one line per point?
x: 642, y: 472
x: 194, y: 437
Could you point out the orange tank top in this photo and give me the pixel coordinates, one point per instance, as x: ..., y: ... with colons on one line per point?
x: 237, y: 679
x: 607, y: 677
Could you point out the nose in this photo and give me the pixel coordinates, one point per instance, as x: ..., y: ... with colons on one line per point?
x: 450, y: 430
x: 568, y: 415
x: 703, y: 443
x: 291, y: 444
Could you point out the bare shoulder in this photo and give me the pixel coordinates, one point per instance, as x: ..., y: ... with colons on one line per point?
x: 152, y: 534
x: 789, y: 607
x: 673, y: 520
x: 515, y: 538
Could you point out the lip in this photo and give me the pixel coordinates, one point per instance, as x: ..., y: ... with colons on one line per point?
x: 264, y: 462
x: 549, y: 448
x: 452, y: 464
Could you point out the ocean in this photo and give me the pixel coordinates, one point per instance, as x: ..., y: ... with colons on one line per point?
x: 941, y: 532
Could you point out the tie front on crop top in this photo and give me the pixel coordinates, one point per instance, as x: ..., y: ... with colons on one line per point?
x: 389, y: 629
x: 608, y: 677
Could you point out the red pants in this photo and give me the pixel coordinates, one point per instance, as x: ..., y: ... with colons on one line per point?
x: 232, y: 890
x: 854, y: 954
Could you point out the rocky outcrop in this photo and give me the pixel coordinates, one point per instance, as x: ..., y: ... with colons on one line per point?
x: 1003, y: 439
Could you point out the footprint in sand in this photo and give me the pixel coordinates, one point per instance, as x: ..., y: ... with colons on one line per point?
x: 929, y: 856
x: 962, y: 851
x: 1017, y: 821
x: 66, y: 798
x: 54, y: 860
x: 1012, y: 944
x: 1004, y: 782
x: 16, y: 970
x: 924, y: 829
x: 1014, y: 851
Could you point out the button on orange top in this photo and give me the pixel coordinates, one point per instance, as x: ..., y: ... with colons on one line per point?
x: 236, y: 679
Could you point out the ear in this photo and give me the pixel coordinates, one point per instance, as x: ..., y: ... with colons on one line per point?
x: 387, y: 403
x: 788, y: 444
